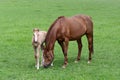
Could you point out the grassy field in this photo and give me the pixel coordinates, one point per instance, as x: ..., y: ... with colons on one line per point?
x: 19, y: 17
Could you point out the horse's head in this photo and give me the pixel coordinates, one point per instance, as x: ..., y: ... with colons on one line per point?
x: 48, y: 56
x: 35, y: 36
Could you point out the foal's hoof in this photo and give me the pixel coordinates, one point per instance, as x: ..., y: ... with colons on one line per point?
x: 37, y: 68
x: 64, y: 66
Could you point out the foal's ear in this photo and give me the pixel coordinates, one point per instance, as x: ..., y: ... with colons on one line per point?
x: 35, y: 29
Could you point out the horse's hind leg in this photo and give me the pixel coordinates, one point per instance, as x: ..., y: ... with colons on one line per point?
x: 90, y: 46
x: 79, y: 50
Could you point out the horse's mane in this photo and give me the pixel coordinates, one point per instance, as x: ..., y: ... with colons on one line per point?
x: 52, y: 26
x: 54, y: 23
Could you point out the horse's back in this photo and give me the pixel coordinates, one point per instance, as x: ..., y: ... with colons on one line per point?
x: 76, y: 26
x: 87, y: 20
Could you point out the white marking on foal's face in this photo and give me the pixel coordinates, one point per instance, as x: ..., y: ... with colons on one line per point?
x: 35, y: 36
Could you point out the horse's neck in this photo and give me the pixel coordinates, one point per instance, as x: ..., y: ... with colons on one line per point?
x: 51, y: 35
x: 50, y: 41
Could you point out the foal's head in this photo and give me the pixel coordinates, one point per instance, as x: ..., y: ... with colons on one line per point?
x: 35, y: 35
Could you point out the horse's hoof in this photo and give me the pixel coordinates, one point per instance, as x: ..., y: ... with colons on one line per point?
x: 37, y: 67
x: 89, y: 62
x: 63, y: 66
x: 52, y: 64
x: 76, y: 61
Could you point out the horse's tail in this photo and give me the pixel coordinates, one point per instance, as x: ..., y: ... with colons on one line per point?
x: 92, y: 44
x: 90, y: 17
x: 93, y: 49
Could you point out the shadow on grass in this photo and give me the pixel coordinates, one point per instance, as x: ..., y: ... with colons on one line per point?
x: 58, y: 62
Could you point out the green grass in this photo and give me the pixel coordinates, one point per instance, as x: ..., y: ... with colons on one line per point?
x: 19, y: 17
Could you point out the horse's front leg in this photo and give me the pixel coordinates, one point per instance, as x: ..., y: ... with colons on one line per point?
x: 65, y: 49
x: 64, y: 46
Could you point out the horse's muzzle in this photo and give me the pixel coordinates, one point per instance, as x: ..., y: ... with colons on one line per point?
x: 46, y: 65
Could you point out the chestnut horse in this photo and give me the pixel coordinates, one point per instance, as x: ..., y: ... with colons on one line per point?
x: 65, y: 29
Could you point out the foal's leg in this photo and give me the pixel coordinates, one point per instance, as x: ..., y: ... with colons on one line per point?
x: 35, y: 52
x: 90, y: 46
x: 79, y: 50
x: 37, y: 57
x: 42, y: 59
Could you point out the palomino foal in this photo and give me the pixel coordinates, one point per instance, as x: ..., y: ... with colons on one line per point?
x: 37, y: 42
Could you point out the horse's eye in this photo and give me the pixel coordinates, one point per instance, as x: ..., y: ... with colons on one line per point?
x: 46, y: 56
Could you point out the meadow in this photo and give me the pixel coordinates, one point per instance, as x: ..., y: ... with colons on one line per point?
x: 19, y: 17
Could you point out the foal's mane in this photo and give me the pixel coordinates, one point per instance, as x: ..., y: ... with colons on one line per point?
x: 52, y: 25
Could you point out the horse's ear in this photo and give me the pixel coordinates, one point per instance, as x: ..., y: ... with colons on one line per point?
x: 44, y: 46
